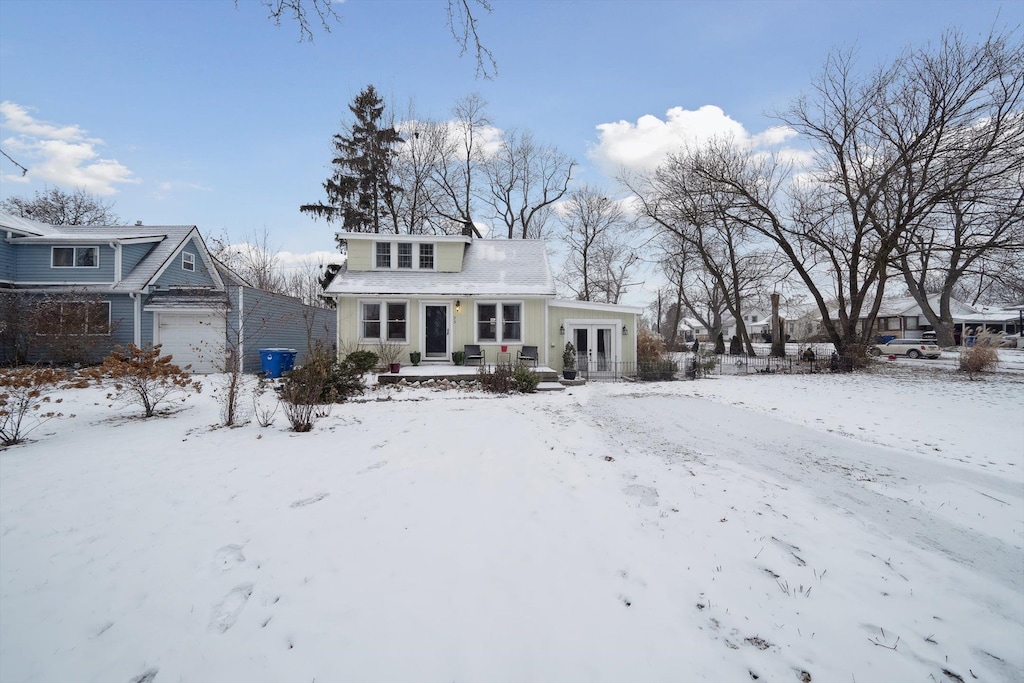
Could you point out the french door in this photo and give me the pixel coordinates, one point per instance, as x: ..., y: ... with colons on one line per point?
x: 596, y: 352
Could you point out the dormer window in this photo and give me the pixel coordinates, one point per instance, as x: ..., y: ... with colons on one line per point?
x: 188, y: 261
x: 404, y: 255
x: 426, y: 257
x: 75, y: 257
x: 383, y: 255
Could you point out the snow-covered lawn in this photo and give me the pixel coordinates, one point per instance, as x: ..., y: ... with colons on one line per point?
x: 864, y: 527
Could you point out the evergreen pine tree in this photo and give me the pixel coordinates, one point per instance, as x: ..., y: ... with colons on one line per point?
x: 720, y: 344
x: 360, y: 194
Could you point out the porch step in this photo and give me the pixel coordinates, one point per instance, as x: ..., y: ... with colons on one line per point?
x: 550, y: 386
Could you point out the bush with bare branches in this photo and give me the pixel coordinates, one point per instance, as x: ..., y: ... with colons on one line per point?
x: 23, y: 394
x: 144, y: 378
x: 981, y: 357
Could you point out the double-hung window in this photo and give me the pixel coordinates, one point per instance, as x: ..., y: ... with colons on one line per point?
x: 75, y: 257
x: 381, y: 321
x: 426, y: 257
x: 403, y: 255
x: 188, y: 261
x: 499, y: 322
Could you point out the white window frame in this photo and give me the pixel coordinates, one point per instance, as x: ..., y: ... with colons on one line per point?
x: 74, y: 257
x: 188, y: 261
x: 384, y: 321
x: 499, y: 322
x: 393, y: 256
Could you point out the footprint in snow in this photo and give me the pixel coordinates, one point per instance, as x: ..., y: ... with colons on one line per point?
x: 228, y: 557
x: 146, y: 676
x: 225, y: 614
x: 309, y: 501
x: 648, y: 494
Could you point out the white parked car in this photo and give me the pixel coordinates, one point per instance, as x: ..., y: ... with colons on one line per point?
x: 911, y: 348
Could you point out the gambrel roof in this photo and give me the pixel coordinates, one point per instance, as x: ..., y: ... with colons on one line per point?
x: 489, y: 267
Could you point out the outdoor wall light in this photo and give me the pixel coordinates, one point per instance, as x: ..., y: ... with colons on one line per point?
x: 458, y: 306
x: 561, y: 330
x: 625, y: 331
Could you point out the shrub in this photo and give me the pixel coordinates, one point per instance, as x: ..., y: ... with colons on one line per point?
x: 388, y: 353
x: 649, y: 346
x: 23, y: 393
x: 982, y: 357
x: 144, y: 378
x: 651, y: 362
x: 362, y: 360
x: 498, y: 381
x: 524, y: 379
x: 569, y: 357
x: 321, y: 381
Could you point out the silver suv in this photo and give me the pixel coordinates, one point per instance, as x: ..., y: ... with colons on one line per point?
x: 911, y: 348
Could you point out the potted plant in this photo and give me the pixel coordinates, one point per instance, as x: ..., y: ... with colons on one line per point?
x: 415, y: 357
x: 569, y: 361
x: 458, y: 357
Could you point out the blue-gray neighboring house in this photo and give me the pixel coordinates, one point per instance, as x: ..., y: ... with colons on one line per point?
x: 149, y: 285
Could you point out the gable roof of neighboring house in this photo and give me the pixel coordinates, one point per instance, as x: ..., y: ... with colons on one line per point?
x: 170, y: 241
x: 489, y: 267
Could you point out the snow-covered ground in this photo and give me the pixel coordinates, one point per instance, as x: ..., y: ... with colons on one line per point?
x: 865, y: 527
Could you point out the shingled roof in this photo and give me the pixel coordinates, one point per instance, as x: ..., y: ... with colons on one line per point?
x: 489, y: 267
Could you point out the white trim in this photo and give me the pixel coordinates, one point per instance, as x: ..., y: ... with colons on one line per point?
x: 449, y: 321
x: 203, y: 254
x: 393, y: 256
x: 74, y: 256
x: 379, y: 237
x: 65, y: 283
x: 595, y: 306
x: 190, y: 261
x: 382, y: 337
x: 499, y: 320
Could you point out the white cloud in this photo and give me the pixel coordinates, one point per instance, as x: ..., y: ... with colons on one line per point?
x: 60, y: 154
x: 643, y: 145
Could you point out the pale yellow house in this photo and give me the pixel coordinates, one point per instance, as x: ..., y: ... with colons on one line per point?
x: 435, y: 294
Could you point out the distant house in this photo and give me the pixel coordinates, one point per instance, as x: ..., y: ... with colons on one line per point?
x: 145, y: 285
x: 902, y: 318
x: 436, y: 294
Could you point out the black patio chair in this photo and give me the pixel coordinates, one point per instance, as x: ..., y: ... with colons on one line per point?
x: 528, y: 354
x: 474, y: 355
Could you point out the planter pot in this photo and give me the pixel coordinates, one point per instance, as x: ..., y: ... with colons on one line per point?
x: 396, y: 367
x: 415, y: 358
x: 458, y: 357
x: 569, y: 374
x: 504, y: 349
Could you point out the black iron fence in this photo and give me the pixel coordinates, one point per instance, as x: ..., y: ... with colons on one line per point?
x: 684, y: 366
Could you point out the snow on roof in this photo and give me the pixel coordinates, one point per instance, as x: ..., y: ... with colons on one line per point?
x: 489, y: 267
x: 25, y: 225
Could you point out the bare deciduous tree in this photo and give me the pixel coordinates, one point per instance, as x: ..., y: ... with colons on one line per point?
x: 524, y: 179
x: 600, y: 256
x: 57, y: 207
x: 461, y: 20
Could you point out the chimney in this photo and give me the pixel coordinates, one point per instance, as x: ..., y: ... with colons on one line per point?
x: 138, y: 223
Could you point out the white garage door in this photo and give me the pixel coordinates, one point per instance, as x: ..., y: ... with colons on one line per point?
x: 195, y: 339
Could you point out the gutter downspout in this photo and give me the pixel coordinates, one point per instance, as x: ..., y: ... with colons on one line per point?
x: 137, y: 322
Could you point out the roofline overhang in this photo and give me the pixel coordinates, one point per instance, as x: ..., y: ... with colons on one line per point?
x: 595, y: 306
x: 388, y: 237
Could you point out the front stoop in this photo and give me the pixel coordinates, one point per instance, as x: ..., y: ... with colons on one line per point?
x: 550, y: 386
x: 578, y: 382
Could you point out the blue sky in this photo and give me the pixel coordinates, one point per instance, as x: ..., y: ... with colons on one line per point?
x: 198, y: 112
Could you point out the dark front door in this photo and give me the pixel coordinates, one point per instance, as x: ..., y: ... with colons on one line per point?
x: 436, y: 327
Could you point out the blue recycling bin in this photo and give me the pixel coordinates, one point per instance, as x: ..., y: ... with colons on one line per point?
x: 276, y: 362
